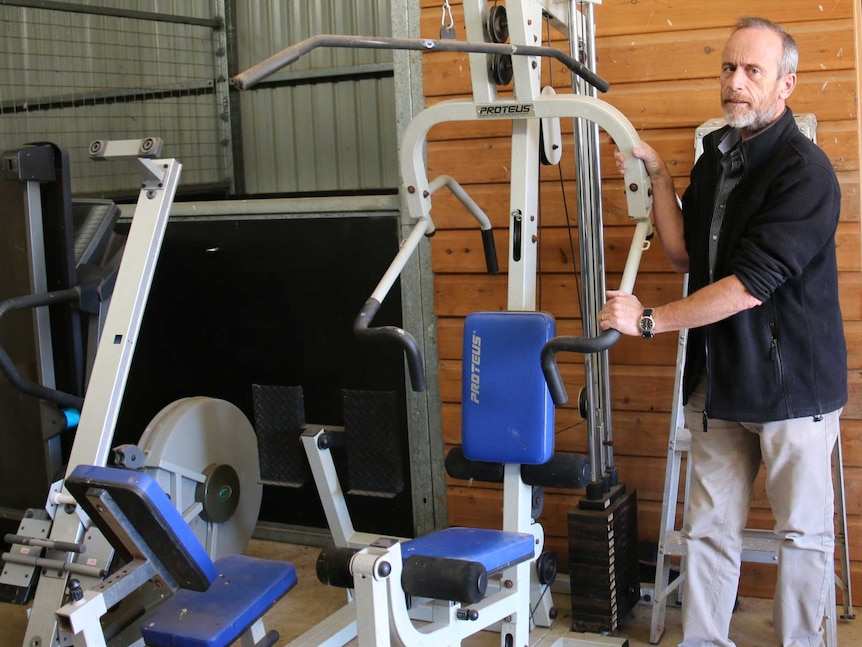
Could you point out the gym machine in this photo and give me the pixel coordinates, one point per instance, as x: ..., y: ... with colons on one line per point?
x: 375, y: 570
x: 201, y: 451
x: 72, y: 270
x: 43, y: 266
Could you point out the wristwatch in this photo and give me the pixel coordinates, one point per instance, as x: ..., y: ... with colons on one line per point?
x: 646, y: 324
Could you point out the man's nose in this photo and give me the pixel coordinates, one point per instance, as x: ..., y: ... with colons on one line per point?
x: 737, y: 79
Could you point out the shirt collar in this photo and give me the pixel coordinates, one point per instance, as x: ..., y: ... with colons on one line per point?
x: 729, y: 141
x: 732, y: 137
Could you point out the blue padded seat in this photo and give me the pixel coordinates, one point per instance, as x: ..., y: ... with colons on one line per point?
x: 507, y: 411
x: 216, y: 602
x: 454, y: 564
x: 493, y: 549
x: 507, y: 417
x: 245, y: 589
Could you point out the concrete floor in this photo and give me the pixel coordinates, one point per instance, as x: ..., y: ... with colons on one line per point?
x: 310, y: 602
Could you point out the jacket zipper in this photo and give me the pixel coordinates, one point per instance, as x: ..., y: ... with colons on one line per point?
x: 775, y: 356
x: 706, y: 367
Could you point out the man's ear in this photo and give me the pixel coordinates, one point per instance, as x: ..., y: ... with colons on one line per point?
x: 788, y: 84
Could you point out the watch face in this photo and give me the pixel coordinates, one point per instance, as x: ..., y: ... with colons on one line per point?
x: 646, y: 324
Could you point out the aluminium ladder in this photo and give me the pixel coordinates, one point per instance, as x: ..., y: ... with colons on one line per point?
x: 757, y: 545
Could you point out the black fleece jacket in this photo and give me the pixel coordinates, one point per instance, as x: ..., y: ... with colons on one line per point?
x: 786, y: 358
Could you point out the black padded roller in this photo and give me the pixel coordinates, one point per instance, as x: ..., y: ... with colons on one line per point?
x: 333, y: 566
x: 444, y: 578
x: 459, y: 466
x: 564, y: 470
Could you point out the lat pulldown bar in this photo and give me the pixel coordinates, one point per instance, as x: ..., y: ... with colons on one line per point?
x: 271, y: 65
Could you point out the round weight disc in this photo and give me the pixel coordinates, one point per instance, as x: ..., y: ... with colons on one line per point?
x: 203, y: 453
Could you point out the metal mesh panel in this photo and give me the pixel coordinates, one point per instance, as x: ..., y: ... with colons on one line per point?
x: 327, y: 121
x: 70, y: 77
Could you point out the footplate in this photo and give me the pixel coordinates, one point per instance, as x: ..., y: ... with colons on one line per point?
x: 279, y: 416
x: 374, y: 452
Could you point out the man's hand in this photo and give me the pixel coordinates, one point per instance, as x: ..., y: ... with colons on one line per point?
x: 622, y: 312
x: 647, y: 154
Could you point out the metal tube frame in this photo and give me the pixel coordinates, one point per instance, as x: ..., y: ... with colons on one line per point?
x: 527, y: 107
x: 109, y: 376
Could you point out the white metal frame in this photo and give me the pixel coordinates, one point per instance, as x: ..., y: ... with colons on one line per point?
x: 379, y: 601
x: 110, y: 369
x: 376, y: 592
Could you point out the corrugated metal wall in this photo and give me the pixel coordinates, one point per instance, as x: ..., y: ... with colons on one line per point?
x: 326, y: 123
x: 72, y: 72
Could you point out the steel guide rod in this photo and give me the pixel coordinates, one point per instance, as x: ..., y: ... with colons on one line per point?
x: 596, y: 366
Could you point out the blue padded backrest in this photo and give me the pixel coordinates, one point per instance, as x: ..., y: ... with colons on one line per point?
x: 507, y: 411
x: 150, y: 512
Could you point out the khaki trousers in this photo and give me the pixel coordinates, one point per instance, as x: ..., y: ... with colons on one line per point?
x: 724, y: 462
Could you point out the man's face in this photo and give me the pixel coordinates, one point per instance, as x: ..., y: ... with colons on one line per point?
x: 752, y: 93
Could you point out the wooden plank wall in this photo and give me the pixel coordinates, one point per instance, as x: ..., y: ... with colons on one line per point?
x: 662, y: 58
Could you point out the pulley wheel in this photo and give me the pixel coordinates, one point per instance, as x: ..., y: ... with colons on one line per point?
x: 501, y: 69
x: 498, y: 24
x: 537, y: 501
x: 583, y: 402
x: 546, y: 567
x: 203, y: 453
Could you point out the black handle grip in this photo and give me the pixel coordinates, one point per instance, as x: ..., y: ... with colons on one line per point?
x: 582, y: 345
x: 65, y: 400
x: 392, y: 335
x: 490, y: 251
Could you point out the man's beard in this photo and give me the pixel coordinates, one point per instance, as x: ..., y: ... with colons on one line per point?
x: 748, y: 118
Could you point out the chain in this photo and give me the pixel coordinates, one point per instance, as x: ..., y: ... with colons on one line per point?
x: 447, y: 20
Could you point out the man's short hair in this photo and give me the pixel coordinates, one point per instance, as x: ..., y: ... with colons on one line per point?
x: 790, y: 53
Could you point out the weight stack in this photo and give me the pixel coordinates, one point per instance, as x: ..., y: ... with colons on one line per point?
x: 603, y: 561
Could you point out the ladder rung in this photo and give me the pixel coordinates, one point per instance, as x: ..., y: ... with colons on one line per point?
x: 682, y: 440
x: 757, y: 545
x: 674, y: 544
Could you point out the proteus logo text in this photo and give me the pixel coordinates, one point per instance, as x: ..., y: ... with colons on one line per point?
x: 475, y: 371
x: 504, y: 110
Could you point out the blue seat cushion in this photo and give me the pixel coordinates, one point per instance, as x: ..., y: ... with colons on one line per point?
x: 454, y: 564
x: 246, y: 587
x: 493, y: 549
